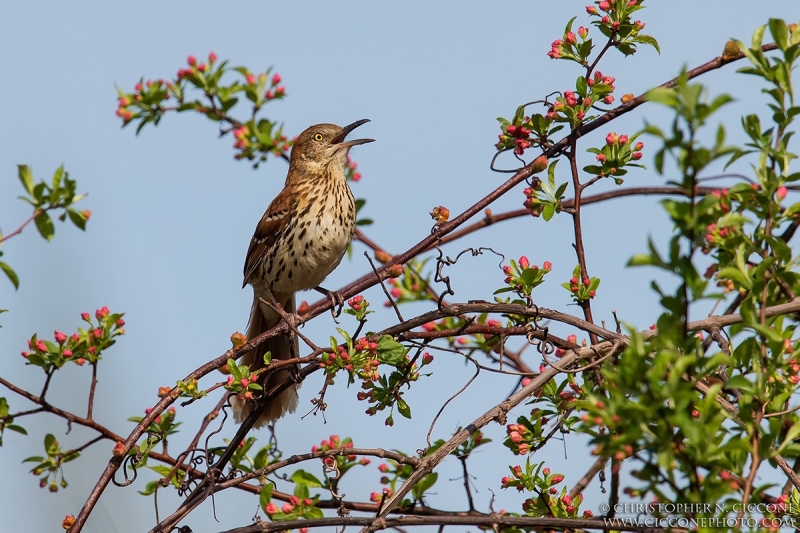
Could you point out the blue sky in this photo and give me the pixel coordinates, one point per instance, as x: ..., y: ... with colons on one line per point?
x: 173, y: 212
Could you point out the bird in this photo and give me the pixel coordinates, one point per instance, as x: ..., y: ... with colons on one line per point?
x: 300, y: 239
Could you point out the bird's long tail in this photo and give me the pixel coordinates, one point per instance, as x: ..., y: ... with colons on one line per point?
x: 280, y: 348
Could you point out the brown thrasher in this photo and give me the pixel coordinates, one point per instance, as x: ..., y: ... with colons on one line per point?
x: 301, y: 238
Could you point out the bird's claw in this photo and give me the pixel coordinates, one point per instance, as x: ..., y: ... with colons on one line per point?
x: 336, y: 300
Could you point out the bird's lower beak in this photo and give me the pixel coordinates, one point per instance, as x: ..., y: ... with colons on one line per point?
x: 339, y: 141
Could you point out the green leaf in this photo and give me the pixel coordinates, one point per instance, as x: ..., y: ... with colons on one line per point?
x: 662, y: 95
x: 10, y: 273
x: 403, y: 408
x: 301, y: 477
x: 45, y: 225
x: 780, y: 33
x: 390, y: 351
x: 26, y: 177
x: 265, y: 496
x: 77, y: 218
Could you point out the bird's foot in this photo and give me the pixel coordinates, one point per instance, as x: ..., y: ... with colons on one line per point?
x: 336, y: 300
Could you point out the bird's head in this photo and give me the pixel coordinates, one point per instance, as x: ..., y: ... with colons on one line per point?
x: 325, y: 144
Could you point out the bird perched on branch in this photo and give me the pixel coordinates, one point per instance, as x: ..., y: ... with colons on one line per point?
x: 301, y: 238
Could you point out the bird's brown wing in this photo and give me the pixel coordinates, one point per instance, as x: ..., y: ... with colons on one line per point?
x: 275, y: 219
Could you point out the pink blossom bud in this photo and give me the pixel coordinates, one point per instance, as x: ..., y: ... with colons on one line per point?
x: 287, y: 508
x: 547, y: 266
x: 212, y: 57
x: 271, y: 508
x: 623, y: 139
x: 250, y: 78
x: 85, y: 316
x: 60, y: 337
x: 608, y: 99
x: 276, y: 79
x: 523, y: 262
x: 583, y: 32
x: 636, y: 156
x: 638, y: 146
x: 601, y: 158
x: 558, y: 478
x: 119, y: 323
x: 606, y: 19
x: 611, y: 138
x: 41, y: 346
x: 80, y: 361
x: 780, y: 194
x: 570, y: 38
x: 67, y: 353
x: 101, y: 313
x: 191, y: 60
x: 591, y: 10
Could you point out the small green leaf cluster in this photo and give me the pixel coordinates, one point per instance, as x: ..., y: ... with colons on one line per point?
x: 163, y: 425
x: 537, y: 478
x: 86, y: 345
x: 241, y: 380
x: 559, y: 400
x: 581, y: 288
x: 50, y: 466
x: 613, y: 19
x: 543, y: 198
x: 255, y: 138
x: 522, y: 277
x: 618, y: 152
x: 7, y: 422
x: 523, y: 132
x: 358, y: 307
x: 44, y: 197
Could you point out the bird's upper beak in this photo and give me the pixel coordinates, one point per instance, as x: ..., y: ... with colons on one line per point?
x: 339, y: 141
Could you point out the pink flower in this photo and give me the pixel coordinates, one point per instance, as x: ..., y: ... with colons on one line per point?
x: 583, y: 32
x: 601, y: 158
x: 427, y: 359
x: 287, y: 508
x: 276, y: 79
x: 85, y: 316
x: 67, y: 353
x: 375, y: 497
x: 364, y: 461
x: 608, y: 99
x: 638, y: 146
x: 250, y: 78
x: 60, y: 337
x: 558, y: 478
x: 271, y: 508
x: 119, y: 323
x: 383, y: 468
x: 781, y: 193
x: 623, y: 139
x: 80, y: 361
x: 212, y: 57
x: 191, y: 60
x: 591, y: 10
x: 547, y: 266
x: 611, y: 138
x: 523, y: 262
x: 41, y: 346
x: 636, y: 156
x: 570, y: 38
x: 396, y: 292
x: 603, y: 5
x: 101, y: 313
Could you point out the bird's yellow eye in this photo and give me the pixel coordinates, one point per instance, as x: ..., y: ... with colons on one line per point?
x: 317, y: 136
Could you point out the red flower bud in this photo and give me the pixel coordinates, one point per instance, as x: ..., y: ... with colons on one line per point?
x: 601, y: 158
x: 611, y: 138
x: 570, y: 38
x: 608, y: 99
x: 60, y: 337
x: 212, y: 57
x: 636, y: 156
x: 591, y: 10
x: 547, y: 266
x: 780, y: 194
x: 623, y: 139
x: 638, y: 146
x: 523, y: 262
x: 191, y: 60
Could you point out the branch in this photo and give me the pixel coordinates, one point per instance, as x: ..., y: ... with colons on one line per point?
x: 488, y: 522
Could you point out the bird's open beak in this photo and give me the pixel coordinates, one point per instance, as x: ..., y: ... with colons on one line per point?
x: 339, y: 141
